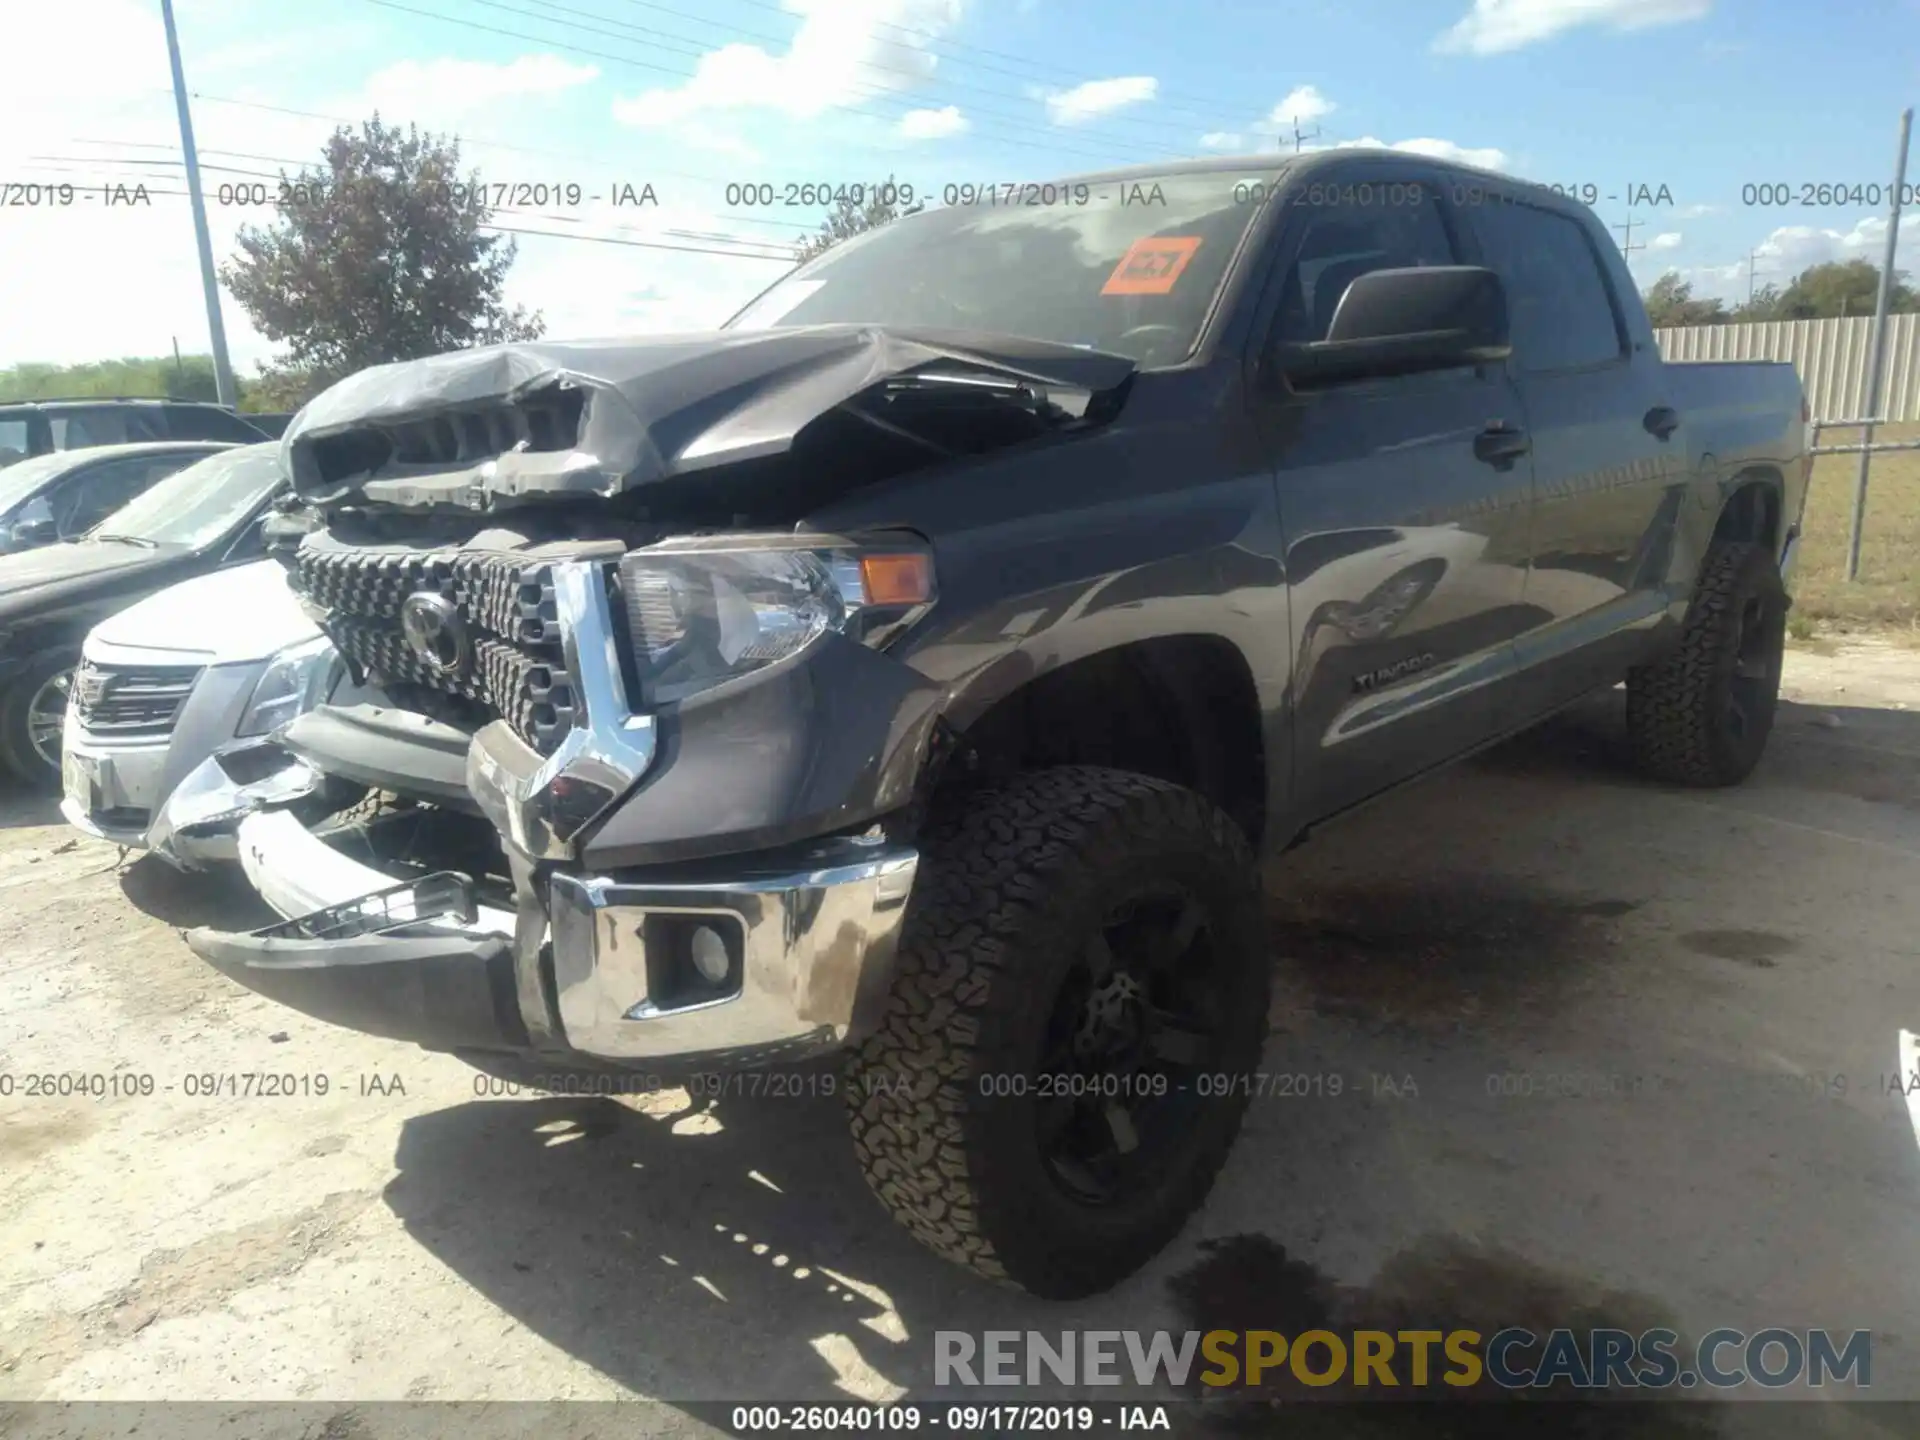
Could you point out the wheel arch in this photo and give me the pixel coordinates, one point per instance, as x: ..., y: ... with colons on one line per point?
x: 1184, y: 708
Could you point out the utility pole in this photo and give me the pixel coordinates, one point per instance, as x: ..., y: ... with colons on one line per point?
x: 1753, y: 257
x: 1627, y: 247
x: 1877, y: 366
x: 222, y: 370
x: 1300, y: 138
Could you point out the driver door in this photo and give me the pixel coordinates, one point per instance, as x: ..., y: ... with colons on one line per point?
x: 1406, y: 537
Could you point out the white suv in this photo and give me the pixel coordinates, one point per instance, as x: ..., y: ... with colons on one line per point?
x: 191, y: 683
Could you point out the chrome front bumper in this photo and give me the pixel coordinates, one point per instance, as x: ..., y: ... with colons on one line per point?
x: 811, y: 936
x: 810, y: 952
x: 597, y: 968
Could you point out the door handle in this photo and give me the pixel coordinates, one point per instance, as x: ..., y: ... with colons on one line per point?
x: 1661, y: 421
x: 1501, y: 445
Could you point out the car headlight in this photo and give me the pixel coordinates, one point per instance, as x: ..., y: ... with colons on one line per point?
x: 295, y: 680
x: 704, y: 612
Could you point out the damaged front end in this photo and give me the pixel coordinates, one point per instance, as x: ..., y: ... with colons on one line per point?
x: 196, y: 825
x: 669, y: 701
x: 796, y: 413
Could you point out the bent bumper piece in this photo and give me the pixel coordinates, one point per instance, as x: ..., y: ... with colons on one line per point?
x: 808, y: 939
x: 199, y: 820
x: 405, y: 963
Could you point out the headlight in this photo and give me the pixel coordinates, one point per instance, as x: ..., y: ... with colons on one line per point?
x: 295, y: 680
x: 706, y: 612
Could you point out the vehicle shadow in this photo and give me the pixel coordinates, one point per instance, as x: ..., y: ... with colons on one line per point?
x: 727, y: 1250
x: 21, y: 808
x: 220, y: 897
x: 1864, y: 751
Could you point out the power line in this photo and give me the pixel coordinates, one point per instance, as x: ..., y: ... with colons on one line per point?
x: 781, y: 255
x: 738, y: 32
x: 1207, y: 108
x: 281, y: 160
x: 481, y: 143
x: 1107, y: 156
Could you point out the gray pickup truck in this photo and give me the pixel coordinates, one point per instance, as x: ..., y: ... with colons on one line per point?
x: 918, y: 665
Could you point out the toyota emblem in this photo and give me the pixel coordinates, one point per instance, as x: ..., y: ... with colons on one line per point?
x: 436, y: 633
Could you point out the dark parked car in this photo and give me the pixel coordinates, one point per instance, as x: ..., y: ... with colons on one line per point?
x: 197, y: 519
x: 40, y: 427
x: 63, y: 495
x: 921, y: 664
x: 273, y: 424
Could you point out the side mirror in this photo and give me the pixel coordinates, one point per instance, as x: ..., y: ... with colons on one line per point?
x: 35, y: 532
x: 1401, y: 322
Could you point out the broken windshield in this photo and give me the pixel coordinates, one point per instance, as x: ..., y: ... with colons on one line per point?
x: 1128, y: 266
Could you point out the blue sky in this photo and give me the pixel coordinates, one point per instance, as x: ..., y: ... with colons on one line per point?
x: 1702, y: 97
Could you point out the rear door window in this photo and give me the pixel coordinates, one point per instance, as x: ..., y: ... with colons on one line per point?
x: 15, y: 442
x: 84, y: 427
x: 204, y: 422
x: 1561, y: 310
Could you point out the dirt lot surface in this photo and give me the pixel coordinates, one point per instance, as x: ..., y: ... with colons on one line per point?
x: 1569, y: 1049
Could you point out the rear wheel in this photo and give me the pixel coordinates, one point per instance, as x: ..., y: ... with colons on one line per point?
x: 1702, y: 716
x: 33, y: 714
x: 1080, y: 994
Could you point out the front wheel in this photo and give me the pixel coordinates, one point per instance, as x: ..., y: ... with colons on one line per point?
x: 33, y: 714
x: 1702, y: 715
x: 1079, y: 999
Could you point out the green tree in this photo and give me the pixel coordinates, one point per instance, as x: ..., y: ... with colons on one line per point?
x: 1764, y: 304
x: 377, y: 255
x: 1669, y: 301
x: 849, y: 218
x: 1841, y: 287
x: 157, y: 376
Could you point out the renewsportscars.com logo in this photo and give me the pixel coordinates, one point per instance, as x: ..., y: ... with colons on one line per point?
x: 1512, y: 1359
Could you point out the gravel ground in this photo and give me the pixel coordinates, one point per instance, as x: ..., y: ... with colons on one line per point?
x: 1722, y: 976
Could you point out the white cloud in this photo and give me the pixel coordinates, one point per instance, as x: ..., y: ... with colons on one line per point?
x: 594, y: 291
x: 1694, y: 212
x: 1304, y: 104
x: 1494, y: 27
x: 1094, y: 98
x: 441, y: 92
x: 1793, y: 248
x: 1223, y: 140
x: 1486, y: 157
x: 932, y: 124
x: 1668, y: 240
x: 846, y: 52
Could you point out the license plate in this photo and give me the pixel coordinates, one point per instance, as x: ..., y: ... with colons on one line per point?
x: 79, y: 774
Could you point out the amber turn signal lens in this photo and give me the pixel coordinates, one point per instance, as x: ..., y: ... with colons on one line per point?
x: 897, y: 579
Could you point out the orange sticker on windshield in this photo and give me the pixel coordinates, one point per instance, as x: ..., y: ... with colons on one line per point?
x: 1151, y: 266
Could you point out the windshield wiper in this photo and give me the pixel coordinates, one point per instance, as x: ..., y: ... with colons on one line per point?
x: 140, y: 540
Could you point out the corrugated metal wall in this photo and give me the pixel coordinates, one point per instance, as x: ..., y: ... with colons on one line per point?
x: 1831, y: 356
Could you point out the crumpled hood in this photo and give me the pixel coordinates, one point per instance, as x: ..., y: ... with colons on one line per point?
x: 486, y: 427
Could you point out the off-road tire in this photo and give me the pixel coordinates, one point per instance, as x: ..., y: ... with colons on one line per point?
x: 18, y: 758
x: 1011, y: 881
x: 1679, y: 716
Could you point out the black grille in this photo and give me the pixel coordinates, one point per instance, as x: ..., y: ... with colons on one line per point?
x: 132, y: 699
x: 515, y: 670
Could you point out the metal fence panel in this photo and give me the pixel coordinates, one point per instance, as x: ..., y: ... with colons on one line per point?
x: 1831, y: 356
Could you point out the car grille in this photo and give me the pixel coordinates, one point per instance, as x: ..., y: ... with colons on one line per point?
x: 129, y: 700
x: 515, y: 668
